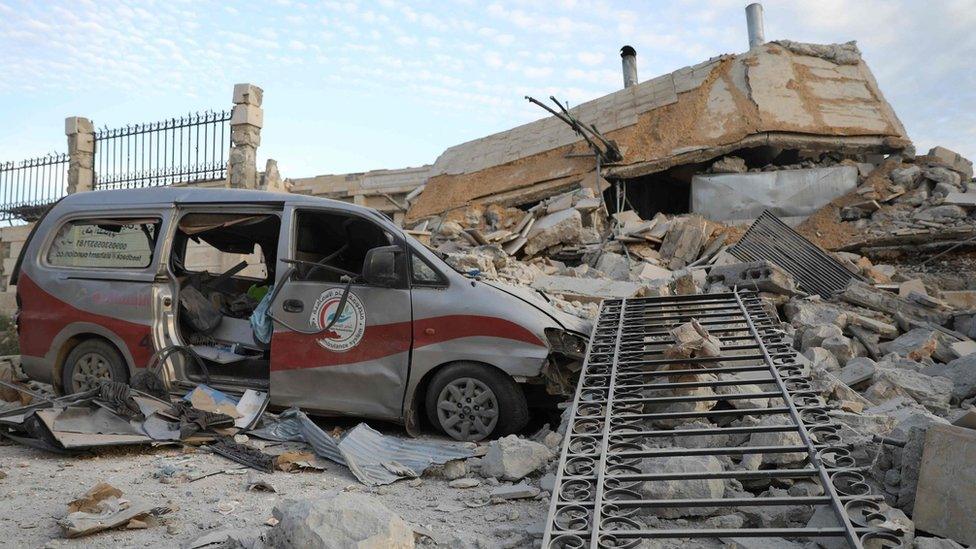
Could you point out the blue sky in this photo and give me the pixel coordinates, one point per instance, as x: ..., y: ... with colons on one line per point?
x: 353, y: 86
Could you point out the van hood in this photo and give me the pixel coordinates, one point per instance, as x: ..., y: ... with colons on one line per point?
x: 534, y: 298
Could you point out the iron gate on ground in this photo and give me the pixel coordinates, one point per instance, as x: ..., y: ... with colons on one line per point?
x: 604, y: 498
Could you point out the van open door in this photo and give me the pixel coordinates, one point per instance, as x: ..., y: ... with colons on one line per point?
x: 341, y: 343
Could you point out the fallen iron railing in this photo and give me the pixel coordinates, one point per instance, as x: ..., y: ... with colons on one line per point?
x: 814, y: 270
x: 597, y: 500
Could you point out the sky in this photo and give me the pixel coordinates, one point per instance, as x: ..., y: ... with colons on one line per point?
x: 353, y: 86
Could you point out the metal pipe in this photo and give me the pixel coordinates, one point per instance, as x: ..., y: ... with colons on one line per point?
x: 754, y: 22
x: 628, y: 60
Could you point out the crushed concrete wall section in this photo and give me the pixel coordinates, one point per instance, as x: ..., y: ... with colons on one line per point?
x: 813, y: 97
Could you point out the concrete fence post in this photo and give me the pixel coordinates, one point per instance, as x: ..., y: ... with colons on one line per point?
x: 81, y: 154
x: 246, y: 121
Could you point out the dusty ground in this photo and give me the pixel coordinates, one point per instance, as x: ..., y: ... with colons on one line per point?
x: 38, y: 486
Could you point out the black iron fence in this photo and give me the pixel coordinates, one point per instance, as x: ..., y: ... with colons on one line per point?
x: 28, y: 187
x: 188, y: 149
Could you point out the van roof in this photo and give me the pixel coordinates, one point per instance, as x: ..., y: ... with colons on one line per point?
x: 194, y: 195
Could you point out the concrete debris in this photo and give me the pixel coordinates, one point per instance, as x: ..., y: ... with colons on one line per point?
x: 682, y: 489
x: 945, y: 502
x: 512, y: 458
x: 338, y: 521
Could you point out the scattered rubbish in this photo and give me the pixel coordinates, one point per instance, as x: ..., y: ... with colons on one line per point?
x: 245, y: 455
x: 254, y: 482
x: 103, y: 508
x: 290, y: 462
x: 373, y: 458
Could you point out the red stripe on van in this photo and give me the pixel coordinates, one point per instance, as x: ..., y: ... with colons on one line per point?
x: 43, y: 316
x: 294, y: 351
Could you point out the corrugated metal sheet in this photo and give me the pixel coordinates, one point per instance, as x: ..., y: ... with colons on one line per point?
x: 373, y: 457
x: 814, y: 270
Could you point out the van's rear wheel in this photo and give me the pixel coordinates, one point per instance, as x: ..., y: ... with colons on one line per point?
x: 89, y: 363
x: 471, y: 402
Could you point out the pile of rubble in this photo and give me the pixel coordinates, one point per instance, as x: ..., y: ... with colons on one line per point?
x: 560, y: 247
x: 892, y: 350
x: 905, y: 206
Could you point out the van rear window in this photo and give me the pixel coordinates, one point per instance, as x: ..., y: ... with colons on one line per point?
x: 105, y: 243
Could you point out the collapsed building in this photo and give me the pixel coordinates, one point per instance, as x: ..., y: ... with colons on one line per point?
x: 781, y: 103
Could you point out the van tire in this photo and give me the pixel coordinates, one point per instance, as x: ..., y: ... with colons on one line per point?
x: 94, y: 357
x: 471, y: 382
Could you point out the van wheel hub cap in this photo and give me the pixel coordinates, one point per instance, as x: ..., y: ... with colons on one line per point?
x: 467, y: 409
x: 89, y: 370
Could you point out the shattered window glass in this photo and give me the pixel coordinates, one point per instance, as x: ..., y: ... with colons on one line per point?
x: 422, y: 273
x: 114, y: 244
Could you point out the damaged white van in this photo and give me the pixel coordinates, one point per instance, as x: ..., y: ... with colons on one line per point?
x: 325, y: 305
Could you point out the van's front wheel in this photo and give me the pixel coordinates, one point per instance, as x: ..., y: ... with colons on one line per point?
x: 471, y: 402
x: 89, y: 363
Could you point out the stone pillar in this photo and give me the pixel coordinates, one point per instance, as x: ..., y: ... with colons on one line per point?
x: 81, y: 154
x: 245, y: 135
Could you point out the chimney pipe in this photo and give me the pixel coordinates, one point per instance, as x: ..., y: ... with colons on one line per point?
x: 754, y: 22
x: 628, y: 59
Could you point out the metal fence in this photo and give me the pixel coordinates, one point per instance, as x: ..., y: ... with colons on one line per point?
x: 188, y: 149
x: 651, y: 432
x: 28, y: 187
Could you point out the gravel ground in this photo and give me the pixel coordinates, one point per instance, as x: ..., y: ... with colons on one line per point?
x: 39, y: 485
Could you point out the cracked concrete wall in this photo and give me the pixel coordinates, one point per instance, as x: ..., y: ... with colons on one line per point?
x: 785, y: 94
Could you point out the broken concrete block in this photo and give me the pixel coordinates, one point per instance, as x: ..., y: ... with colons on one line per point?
x: 857, y: 370
x: 682, y: 489
x: 810, y: 312
x: 558, y: 228
x: 954, y: 160
x: 864, y: 295
x: 909, y: 287
x: 932, y: 392
x: 684, y: 242
x: 615, y: 266
x: 516, y: 491
x: 962, y: 372
x: 814, y: 336
x: 936, y: 543
x: 842, y: 347
x: 344, y: 520
x: 647, y: 271
x: 759, y: 275
x: 964, y: 200
x: 883, y: 329
x: 787, y: 438
x: 821, y: 358
x: 906, y: 177
x: 963, y: 348
x: 945, y: 501
x: 512, y: 457
x: 585, y: 289
x: 940, y: 214
x: 729, y: 164
x: 915, y: 344
x: 938, y: 174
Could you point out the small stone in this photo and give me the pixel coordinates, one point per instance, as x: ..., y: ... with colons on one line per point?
x: 454, y: 469
x: 516, y: 491
x: 463, y: 483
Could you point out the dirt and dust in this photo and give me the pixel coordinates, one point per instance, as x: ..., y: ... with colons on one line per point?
x: 39, y: 485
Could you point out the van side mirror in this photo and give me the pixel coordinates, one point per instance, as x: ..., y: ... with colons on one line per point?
x: 380, y: 266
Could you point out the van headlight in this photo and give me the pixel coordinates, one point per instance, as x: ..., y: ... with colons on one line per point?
x: 567, y: 343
